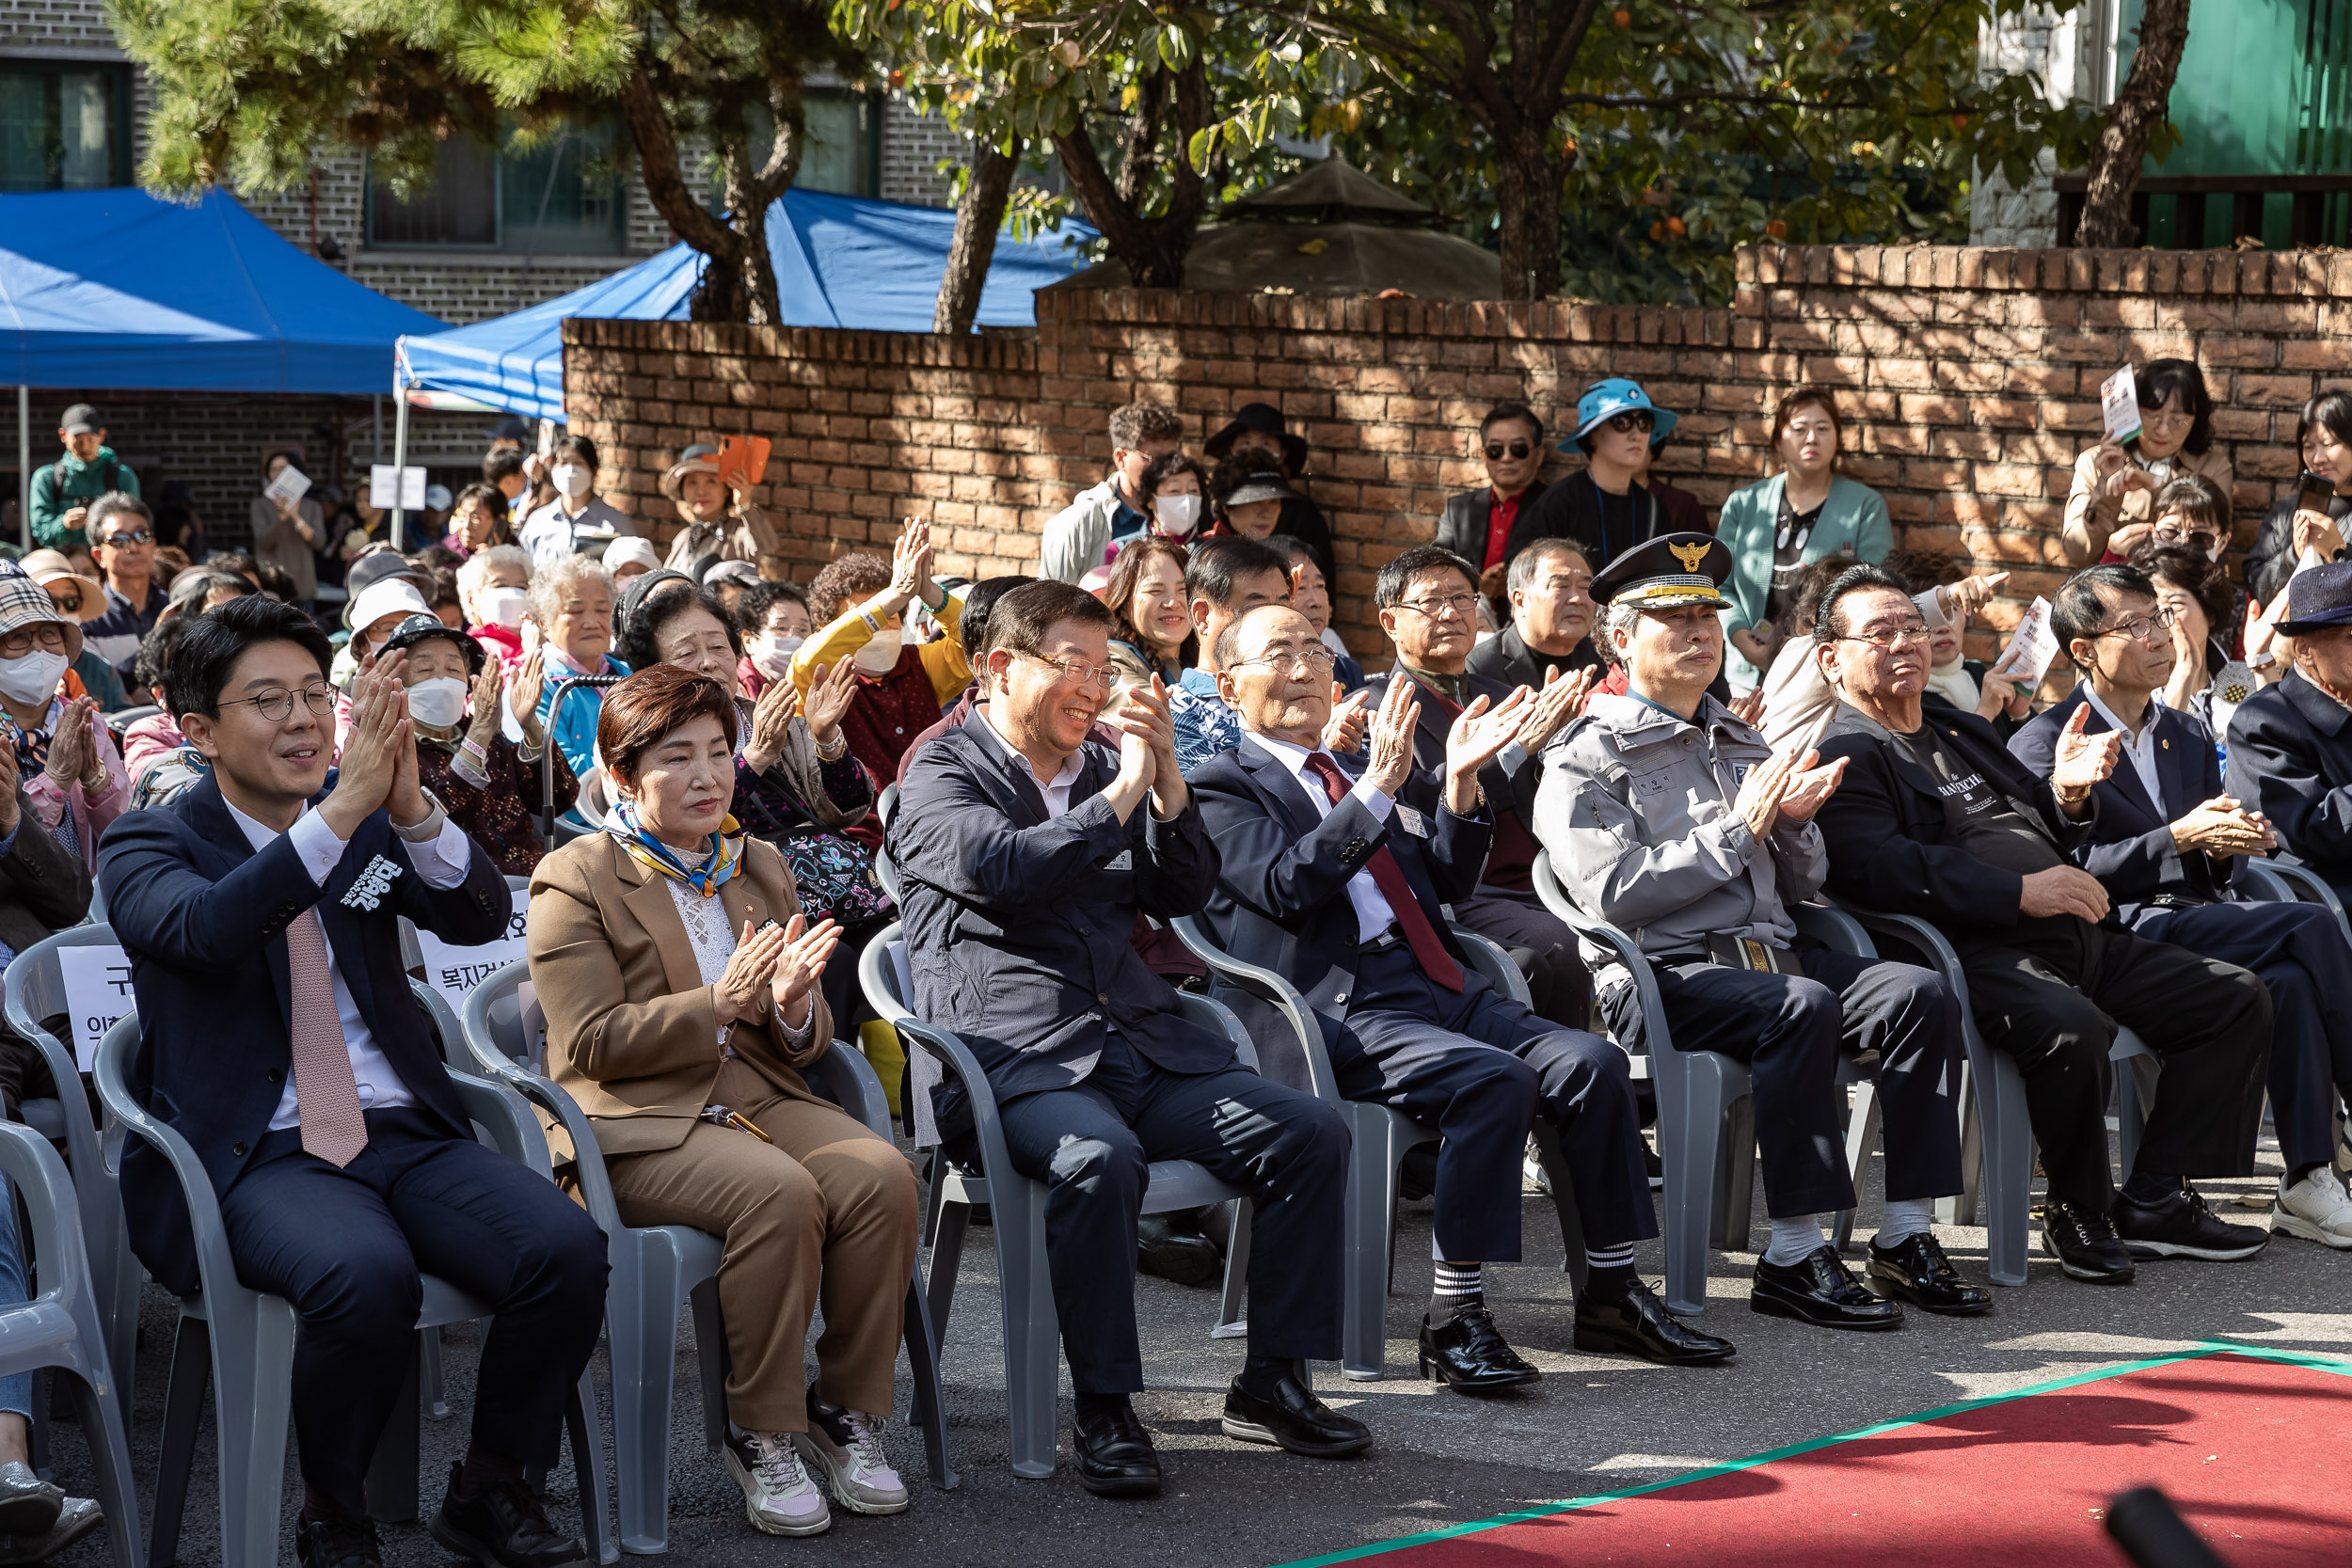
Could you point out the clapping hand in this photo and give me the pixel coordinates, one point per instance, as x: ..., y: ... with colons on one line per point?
x: 799, y: 965
x: 829, y: 695
x: 2083, y: 759
x: 1764, y: 791
x: 379, y: 719
x: 771, y: 720
x: 1808, y: 786
x: 910, y: 565
x: 524, y: 682
x: 1344, y: 730
x: 1478, y: 734
x: 1143, y: 719
x: 750, y: 968
x: 1560, y: 699
x: 72, y: 749
x: 1392, y: 728
x: 482, y: 700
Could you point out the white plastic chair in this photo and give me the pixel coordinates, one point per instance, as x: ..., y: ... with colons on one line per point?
x: 659, y: 1269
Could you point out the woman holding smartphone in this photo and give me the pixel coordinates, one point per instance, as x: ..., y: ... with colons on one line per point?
x: 2310, y: 513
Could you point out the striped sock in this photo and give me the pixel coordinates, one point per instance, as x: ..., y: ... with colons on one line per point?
x: 1459, y: 1287
x: 1607, y: 1272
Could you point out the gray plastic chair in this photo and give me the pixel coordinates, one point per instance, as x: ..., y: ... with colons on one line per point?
x: 64, y: 1329
x: 659, y: 1269
x: 2283, y: 882
x: 886, y: 807
x: 1706, y: 1113
x: 36, y: 991
x: 243, y: 1341
x: 1017, y: 1209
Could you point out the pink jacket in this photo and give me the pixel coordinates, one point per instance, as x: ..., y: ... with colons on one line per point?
x: 92, y: 812
x: 147, y: 741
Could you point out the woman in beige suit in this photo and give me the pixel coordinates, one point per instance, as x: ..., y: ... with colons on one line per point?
x: 682, y: 989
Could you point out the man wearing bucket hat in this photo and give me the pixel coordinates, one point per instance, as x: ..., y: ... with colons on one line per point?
x: 2290, y: 744
x: 1669, y: 816
x: 66, y: 755
x: 720, y: 521
x: 1605, y: 507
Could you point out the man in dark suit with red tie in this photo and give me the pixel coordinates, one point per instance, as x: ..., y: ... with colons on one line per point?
x: 1332, y: 881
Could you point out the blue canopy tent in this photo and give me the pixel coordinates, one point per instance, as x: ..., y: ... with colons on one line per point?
x: 840, y: 262
x: 118, y: 288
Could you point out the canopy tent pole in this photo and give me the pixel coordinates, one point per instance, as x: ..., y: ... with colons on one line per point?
x: 400, y: 455
x: 25, y: 464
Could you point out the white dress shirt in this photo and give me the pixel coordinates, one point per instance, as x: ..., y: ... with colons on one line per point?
x: 438, y: 865
x: 1056, y: 789
x: 1373, y: 914
x: 2140, y: 750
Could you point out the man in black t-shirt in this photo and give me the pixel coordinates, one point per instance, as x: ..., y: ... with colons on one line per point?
x: 1937, y: 819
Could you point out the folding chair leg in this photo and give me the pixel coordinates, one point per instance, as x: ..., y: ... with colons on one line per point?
x: 1032, y: 1330
x: 1689, y: 1144
x: 955, y: 1220
x: 392, y: 1472
x: 183, y: 1410
x: 1963, y: 1208
x: 586, y: 1436
x: 1369, y: 1227
x: 1231, y: 1321
x: 253, y: 1398
x: 928, y: 1409
x: 2008, y: 1178
x: 640, y: 1331
x: 1555, y: 1164
x: 711, y: 1354
x: 1735, y: 1181
x: 110, y: 1452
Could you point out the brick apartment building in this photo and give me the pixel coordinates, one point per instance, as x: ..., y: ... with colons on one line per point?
x: 497, y: 231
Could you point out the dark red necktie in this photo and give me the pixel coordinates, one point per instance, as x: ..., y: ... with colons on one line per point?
x: 1389, y: 877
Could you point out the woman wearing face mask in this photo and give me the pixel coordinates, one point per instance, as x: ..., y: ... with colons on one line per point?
x: 489, y: 785
x: 774, y: 620
x: 900, y: 688
x: 2325, y: 440
x: 477, y: 521
x: 1147, y: 593
x: 554, y: 531
x: 2107, y: 507
x: 65, y: 755
x: 1176, y: 493
x: 569, y: 619
x: 493, y: 587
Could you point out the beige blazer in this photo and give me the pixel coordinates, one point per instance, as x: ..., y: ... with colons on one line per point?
x: 631, y: 1033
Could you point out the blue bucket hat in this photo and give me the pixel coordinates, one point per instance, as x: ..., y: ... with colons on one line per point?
x: 1604, y: 400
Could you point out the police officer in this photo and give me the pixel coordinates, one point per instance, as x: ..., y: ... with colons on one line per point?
x: 1668, y: 816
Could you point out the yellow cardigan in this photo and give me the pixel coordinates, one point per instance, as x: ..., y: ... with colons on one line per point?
x: 943, y: 661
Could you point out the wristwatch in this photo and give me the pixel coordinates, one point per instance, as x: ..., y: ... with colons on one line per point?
x: 429, y: 827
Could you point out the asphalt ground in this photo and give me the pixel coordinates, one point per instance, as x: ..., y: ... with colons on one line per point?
x: 1595, y: 1424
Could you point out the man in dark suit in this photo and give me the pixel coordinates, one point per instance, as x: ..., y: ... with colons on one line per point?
x: 1934, y: 819
x: 1476, y: 524
x: 1025, y: 848
x: 1339, y: 885
x: 2291, y: 744
x: 2164, y: 843
x: 1551, y: 628
x: 261, y: 913
x: 1427, y: 606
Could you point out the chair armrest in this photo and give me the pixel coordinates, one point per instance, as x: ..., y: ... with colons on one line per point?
x: 844, y: 1076
x: 1832, y: 928
x: 955, y: 1058
x: 1215, y: 1016
x: 502, y: 1110
x: 1927, y: 938
x: 215, y: 1267
x: 1491, y: 960
x: 2310, y: 887
x: 886, y: 874
x: 1271, y: 988
x: 595, y: 1187
x: 60, y: 1258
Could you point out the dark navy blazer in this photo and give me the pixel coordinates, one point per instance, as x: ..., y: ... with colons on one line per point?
x: 203, y: 917
x: 2291, y: 759
x: 2129, y: 849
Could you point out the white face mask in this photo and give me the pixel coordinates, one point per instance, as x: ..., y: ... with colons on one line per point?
x: 773, y: 655
x: 880, y: 654
x: 502, y: 607
x: 439, y: 702
x: 31, y: 677
x: 1176, y: 513
x: 571, y: 479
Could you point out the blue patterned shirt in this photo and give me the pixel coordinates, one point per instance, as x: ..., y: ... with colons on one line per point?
x: 1204, y: 725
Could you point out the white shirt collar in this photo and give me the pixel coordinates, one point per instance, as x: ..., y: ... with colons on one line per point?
x: 1290, y: 755
x: 1060, y: 780
x: 2147, y: 722
x: 258, y: 833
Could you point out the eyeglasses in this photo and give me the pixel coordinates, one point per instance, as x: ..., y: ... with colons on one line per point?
x: 1638, y: 420
x: 1438, y: 609
x: 278, y: 705
x: 1315, y: 661
x: 1889, y: 638
x: 2147, y: 628
x: 129, y: 536
x: 1080, y: 671
x: 1498, y: 451
x: 16, y: 644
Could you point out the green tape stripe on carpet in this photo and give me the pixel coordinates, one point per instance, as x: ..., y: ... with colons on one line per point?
x: 2210, y: 1347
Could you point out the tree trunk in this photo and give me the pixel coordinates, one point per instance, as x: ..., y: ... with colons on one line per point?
x: 1152, y: 248
x: 979, y: 213
x: 2132, y: 119
x: 723, y: 295
x: 1543, y: 226
x: 1512, y: 196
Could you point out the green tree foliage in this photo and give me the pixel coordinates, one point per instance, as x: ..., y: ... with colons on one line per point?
x: 248, y: 92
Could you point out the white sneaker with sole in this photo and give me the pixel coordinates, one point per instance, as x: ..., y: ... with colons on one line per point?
x: 845, y: 1445
x: 779, y: 1497
x: 2316, y: 1209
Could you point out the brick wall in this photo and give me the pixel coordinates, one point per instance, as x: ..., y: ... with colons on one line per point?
x: 912, y: 146
x: 1968, y: 378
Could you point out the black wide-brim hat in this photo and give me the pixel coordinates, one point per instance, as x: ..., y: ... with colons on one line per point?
x: 418, y: 628
x: 2317, y: 599
x: 1266, y: 420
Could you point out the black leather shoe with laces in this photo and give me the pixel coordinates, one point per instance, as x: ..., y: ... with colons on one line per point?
x: 1114, y: 1457
x: 338, y: 1543
x: 2084, y: 1243
x: 502, y: 1527
x: 2182, y: 1227
x: 1915, y: 1270
x: 1294, y: 1420
x: 1469, y: 1351
x: 1639, y: 1324
x: 1819, y: 1290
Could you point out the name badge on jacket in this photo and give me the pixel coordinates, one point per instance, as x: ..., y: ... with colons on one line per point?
x: 1412, y: 821
x: 1123, y: 861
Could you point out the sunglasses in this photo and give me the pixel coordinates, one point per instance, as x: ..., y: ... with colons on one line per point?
x: 1498, y: 451
x: 1624, y: 422
x: 129, y: 536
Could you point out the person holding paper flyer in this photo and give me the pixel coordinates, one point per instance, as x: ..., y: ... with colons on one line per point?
x: 287, y: 525
x: 2164, y: 429
x: 721, y: 520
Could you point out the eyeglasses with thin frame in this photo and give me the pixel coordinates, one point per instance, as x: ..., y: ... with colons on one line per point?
x: 277, y: 705
x: 1438, y: 609
x: 1078, y: 670
x: 1640, y: 420
x: 1887, y: 639
x: 1284, y: 660
x: 129, y: 536
x: 1498, y: 451
x: 2145, y: 628
x: 16, y: 644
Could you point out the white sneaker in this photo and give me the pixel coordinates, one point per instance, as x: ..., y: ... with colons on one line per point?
x: 2316, y: 1209
x: 846, y: 1444
x: 778, y: 1496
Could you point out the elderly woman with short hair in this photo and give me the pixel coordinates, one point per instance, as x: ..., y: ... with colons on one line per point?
x: 570, y: 610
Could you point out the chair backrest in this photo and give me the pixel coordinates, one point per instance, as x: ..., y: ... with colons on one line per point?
x: 1269, y: 988
x: 57, y: 1255
x: 215, y: 1269
x: 885, y: 870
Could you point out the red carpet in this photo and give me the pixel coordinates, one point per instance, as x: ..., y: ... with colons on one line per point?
x: 2251, y: 1448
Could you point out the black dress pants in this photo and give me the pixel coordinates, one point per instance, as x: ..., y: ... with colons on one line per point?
x: 1791, y: 1029
x: 2052, y: 991
x: 1559, y: 987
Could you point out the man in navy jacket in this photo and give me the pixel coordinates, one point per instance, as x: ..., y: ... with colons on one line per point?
x: 2290, y: 742
x: 261, y: 912
x: 2164, y: 843
x: 1025, y: 850
x: 1337, y: 884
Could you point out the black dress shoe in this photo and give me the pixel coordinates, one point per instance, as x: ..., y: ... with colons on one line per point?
x: 502, y: 1527
x: 338, y: 1543
x: 1294, y: 1419
x: 1915, y: 1270
x: 1114, y: 1454
x: 1640, y: 1324
x: 1164, y: 1251
x: 2181, y: 1225
x: 2084, y: 1243
x: 1468, y: 1351
x: 1819, y: 1290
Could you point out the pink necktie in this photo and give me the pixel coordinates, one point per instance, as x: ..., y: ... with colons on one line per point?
x: 326, y: 1097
